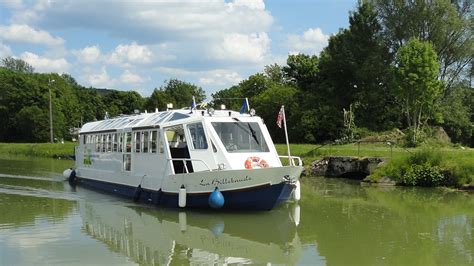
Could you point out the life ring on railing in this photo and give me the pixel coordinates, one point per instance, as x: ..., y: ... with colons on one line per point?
x: 255, y: 161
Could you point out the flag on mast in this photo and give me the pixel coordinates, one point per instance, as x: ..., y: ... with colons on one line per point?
x: 245, y: 106
x: 280, y: 117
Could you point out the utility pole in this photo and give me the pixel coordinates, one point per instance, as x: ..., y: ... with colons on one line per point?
x: 50, y: 82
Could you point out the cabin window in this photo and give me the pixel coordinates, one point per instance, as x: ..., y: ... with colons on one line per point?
x: 104, y: 143
x: 127, y: 162
x: 161, y: 147
x: 137, y: 141
x: 145, y: 141
x: 114, y: 142
x: 198, y: 137
x: 120, y: 142
x: 109, y: 142
x: 129, y: 142
x: 153, y: 141
x: 97, y: 144
x: 241, y: 136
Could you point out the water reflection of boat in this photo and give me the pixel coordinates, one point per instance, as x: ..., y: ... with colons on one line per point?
x: 161, y: 237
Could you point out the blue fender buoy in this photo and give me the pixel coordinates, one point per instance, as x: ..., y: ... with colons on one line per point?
x: 216, y: 199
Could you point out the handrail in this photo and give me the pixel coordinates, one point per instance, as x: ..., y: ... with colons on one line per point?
x: 184, y: 160
x: 300, y: 162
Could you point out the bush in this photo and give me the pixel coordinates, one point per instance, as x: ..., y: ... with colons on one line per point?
x: 425, y: 168
x: 424, y: 175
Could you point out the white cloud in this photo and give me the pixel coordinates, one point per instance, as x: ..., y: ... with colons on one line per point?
x: 210, y: 78
x: 241, y: 47
x: 312, y: 41
x: 13, y: 3
x: 131, y: 78
x: 44, y: 64
x: 252, y: 4
x: 5, y: 50
x: 125, y: 54
x: 220, y: 78
x: 191, y: 29
x: 26, y: 34
x: 100, y: 79
x: 88, y: 55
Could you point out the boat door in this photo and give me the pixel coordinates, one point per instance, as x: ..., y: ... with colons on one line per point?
x: 178, y: 149
x: 200, y: 147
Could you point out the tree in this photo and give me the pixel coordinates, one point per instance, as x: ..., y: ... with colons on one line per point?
x: 457, y: 114
x: 177, y: 92
x: 302, y: 70
x: 355, y: 68
x: 268, y: 103
x: 446, y: 24
x: 275, y: 73
x: 17, y: 65
x: 419, y: 90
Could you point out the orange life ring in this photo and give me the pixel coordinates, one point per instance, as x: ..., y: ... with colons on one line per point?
x: 255, y: 161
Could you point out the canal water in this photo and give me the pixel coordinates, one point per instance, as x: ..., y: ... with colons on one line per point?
x: 43, y: 221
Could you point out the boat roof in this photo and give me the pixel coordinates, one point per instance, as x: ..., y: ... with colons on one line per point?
x: 151, y: 120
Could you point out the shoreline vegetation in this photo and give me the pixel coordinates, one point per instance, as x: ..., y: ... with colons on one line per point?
x: 45, y: 150
x: 422, y: 166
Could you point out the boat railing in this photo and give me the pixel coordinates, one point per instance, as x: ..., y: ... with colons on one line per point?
x: 184, y: 160
x: 292, y: 159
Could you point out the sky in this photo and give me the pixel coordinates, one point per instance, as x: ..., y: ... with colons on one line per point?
x: 139, y: 44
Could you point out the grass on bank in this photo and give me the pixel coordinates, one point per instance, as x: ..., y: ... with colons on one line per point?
x: 455, y: 163
x: 51, y: 150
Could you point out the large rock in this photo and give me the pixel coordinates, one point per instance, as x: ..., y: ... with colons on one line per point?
x: 348, y: 167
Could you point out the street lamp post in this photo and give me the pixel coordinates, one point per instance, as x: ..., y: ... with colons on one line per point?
x: 50, y: 82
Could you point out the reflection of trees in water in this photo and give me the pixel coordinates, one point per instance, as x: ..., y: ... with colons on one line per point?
x: 368, y: 225
x: 18, y: 210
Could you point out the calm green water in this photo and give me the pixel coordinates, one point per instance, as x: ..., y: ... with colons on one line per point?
x: 45, y: 222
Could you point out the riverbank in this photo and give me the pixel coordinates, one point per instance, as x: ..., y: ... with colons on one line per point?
x: 456, y: 164
x: 47, y: 150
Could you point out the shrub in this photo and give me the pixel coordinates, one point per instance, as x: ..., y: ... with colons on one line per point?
x: 425, y: 168
x: 424, y: 175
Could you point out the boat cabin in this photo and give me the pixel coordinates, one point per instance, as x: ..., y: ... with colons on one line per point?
x: 176, y: 142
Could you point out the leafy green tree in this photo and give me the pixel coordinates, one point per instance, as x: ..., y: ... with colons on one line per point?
x: 33, y: 122
x: 457, y: 114
x: 158, y: 99
x: 230, y: 97
x: 275, y: 73
x: 268, y: 103
x: 418, y: 90
x: 122, y: 102
x: 16, y: 65
x: 355, y: 69
x: 182, y: 92
x: 302, y: 70
x: 446, y: 24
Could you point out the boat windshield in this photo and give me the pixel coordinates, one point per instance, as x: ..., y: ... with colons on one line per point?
x: 241, y: 136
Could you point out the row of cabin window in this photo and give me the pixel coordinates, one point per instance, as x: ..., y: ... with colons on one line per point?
x: 143, y: 142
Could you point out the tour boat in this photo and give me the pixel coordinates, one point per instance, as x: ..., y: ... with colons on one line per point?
x: 186, y: 158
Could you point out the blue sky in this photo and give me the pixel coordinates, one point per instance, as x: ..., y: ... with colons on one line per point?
x: 137, y: 45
